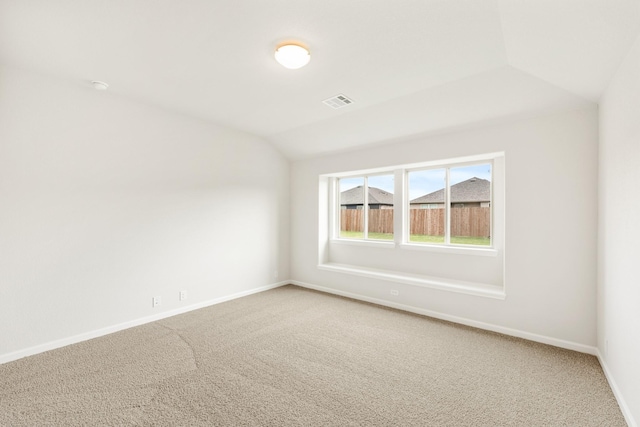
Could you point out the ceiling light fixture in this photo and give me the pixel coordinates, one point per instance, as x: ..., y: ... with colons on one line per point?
x: 292, y: 56
x: 99, y: 85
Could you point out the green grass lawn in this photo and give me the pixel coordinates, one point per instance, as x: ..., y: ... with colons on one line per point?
x: 458, y: 240
x: 419, y: 238
x: 360, y: 235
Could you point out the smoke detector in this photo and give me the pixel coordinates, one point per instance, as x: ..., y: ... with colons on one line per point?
x: 98, y: 85
x: 338, y: 101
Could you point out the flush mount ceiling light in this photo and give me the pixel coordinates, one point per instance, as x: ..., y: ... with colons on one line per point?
x: 99, y: 85
x: 292, y: 56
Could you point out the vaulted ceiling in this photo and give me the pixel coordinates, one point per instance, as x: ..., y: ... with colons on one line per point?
x: 411, y: 66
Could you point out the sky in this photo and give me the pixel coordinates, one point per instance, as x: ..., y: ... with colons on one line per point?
x: 421, y: 182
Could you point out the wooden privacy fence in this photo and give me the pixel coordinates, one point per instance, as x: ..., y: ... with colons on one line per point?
x: 429, y: 222
x: 473, y: 222
x: 380, y: 220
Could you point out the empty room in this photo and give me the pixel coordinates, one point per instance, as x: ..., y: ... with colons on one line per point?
x: 305, y: 213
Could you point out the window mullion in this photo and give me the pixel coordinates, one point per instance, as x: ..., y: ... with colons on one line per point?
x: 366, y: 207
x: 334, y: 206
x: 447, y: 208
x: 400, y: 207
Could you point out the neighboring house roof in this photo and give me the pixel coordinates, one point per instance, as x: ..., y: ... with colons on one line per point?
x: 355, y: 196
x: 472, y: 190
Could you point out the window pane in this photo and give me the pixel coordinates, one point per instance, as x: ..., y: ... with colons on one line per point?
x: 471, y: 205
x: 351, y: 208
x: 426, y: 206
x: 380, y: 219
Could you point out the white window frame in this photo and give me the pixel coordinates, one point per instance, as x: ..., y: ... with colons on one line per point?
x: 366, y: 258
x: 402, y: 207
x: 365, y: 208
x: 447, y: 204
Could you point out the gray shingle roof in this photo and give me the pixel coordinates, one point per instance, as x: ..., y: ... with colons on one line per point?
x: 472, y: 190
x: 355, y: 196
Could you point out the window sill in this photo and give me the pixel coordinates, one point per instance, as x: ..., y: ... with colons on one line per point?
x: 461, y: 250
x: 372, y: 243
x: 469, y: 288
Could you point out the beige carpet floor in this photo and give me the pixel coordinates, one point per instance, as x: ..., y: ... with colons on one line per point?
x: 292, y: 356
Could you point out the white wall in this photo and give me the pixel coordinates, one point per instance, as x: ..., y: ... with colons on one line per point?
x: 105, y: 203
x: 551, y: 215
x: 619, y: 233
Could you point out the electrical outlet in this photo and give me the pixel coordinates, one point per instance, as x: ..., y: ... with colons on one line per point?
x: 156, y: 301
x: 395, y: 292
x: 183, y: 295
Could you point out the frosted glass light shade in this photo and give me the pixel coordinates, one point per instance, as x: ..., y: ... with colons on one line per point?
x: 292, y: 56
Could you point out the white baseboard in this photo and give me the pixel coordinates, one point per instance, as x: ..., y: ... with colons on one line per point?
x: 461, y: 320
x: 482, y: 325
x: 52, y: 345
x: 616, y: 392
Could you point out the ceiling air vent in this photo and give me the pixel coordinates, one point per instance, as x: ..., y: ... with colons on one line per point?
x: 338, y: 101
